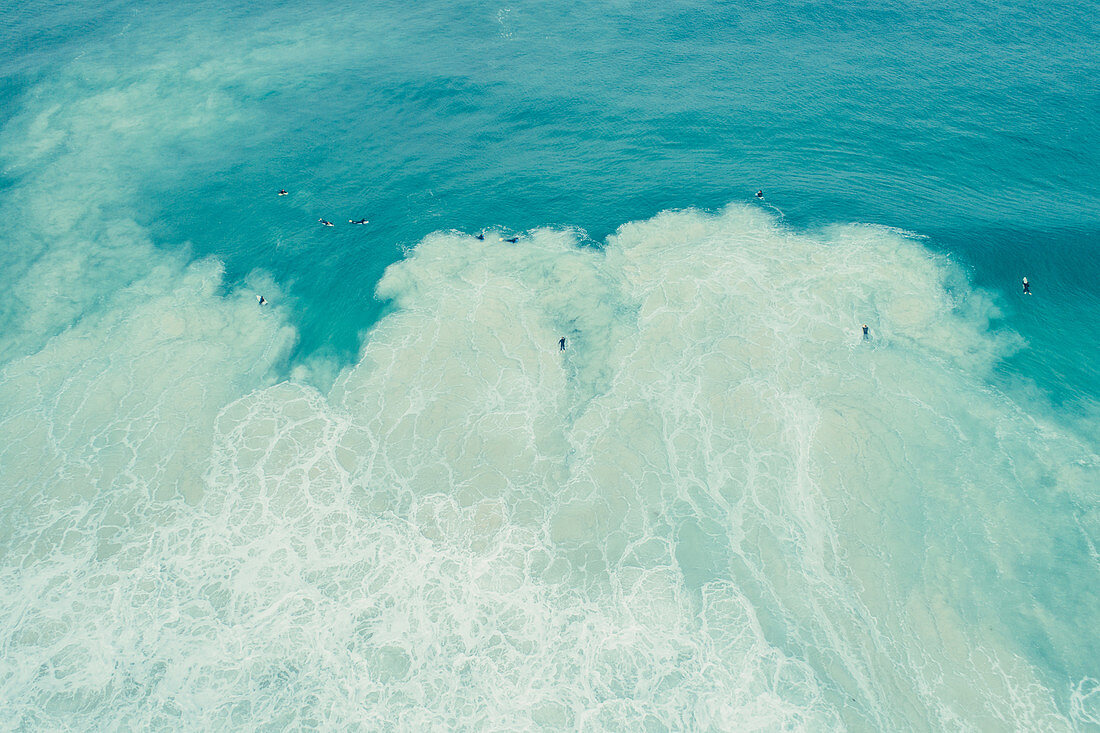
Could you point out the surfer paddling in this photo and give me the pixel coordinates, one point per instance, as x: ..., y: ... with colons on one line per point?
x: 325, y: 223
x: 1027, y: 287
x: 361, y: 221
x: 282, y: 192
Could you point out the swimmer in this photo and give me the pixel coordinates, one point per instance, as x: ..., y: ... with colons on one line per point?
x: 282, y: 192
x: 481, y: 237
x: 760, y: 194
x: 1027, y: 287
x: 513, y: 240
x: 561, y: 343
x: 326, y: 223
x: 361, y: 221
x: 865, y: 334
x: 261, y: 300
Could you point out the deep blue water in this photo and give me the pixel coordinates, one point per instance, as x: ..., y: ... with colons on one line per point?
x: 971, y: 128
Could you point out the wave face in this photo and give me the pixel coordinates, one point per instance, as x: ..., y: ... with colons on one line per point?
x: 719, y: 508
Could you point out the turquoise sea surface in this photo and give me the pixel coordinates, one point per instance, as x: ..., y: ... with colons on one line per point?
x: 388, y: 500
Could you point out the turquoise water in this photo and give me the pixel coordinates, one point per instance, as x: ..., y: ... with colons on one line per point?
x: 387, y: 500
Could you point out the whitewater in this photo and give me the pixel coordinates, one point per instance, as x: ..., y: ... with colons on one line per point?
x: 720, y: 507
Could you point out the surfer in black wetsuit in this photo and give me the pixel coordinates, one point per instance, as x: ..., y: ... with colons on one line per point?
x: 282, y: 192
x: 760, y: 194
x: 481, y: 237
x: 1027, y: 287
x: 361, y: 221
x: 261, y: 300
x: 326, y: 223
x: 865, y: 334
x: 561, y: 343
x: 513, y: 240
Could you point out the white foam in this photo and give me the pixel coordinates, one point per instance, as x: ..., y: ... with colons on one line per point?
x: 719, y: 508
x: 688, y: 518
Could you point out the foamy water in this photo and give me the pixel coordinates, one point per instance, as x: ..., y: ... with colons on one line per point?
x: 719, y: 508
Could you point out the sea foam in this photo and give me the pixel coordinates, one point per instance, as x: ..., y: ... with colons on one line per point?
x: 719, y: 508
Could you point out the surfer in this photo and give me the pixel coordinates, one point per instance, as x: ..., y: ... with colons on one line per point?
x: 361, y: 221
x: 760, y: 195
x: 282, y: 192
x: 1027, y: 287
x: 261, y: 300
x: 513, y: 240
x: 865, y: 334
x: 481, y: 237
x: 561, y: 343
x: 326, y: 223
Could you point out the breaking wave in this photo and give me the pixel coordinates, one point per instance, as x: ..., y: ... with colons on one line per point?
x: 720, y: 507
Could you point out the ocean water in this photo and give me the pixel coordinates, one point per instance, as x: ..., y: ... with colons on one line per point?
x: 387, y: 500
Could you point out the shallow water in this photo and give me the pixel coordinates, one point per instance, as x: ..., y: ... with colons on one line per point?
x: 389, y: 497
